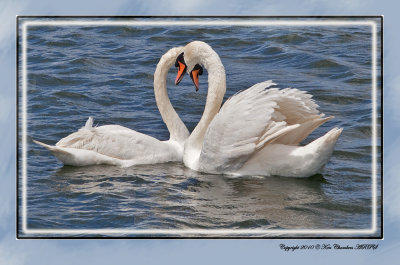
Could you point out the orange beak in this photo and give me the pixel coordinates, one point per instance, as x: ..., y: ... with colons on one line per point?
x: 194, y: 74
x: 195, y: 77
x: 181, y: 72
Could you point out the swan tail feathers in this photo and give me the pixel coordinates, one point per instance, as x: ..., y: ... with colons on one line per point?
x: 323, y: 146
x: 333, y: 136
x: 52, y: 148
x: 79, y: 157
x: 313, y: 157
x: 330, y: 138
x: 65, y: 156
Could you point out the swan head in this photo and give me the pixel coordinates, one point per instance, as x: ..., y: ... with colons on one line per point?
x: 182, y: 67
x: 194, y: 57
x: 167, y: 60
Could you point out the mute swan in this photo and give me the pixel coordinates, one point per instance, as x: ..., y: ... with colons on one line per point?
x: 117, y: 145
x: 257, y: 131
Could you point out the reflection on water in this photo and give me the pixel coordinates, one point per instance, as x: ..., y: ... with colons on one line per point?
x: 170, y: 196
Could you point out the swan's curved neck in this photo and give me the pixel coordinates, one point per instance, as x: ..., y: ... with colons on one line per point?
x: 177, y: 129
x: 215, y: 95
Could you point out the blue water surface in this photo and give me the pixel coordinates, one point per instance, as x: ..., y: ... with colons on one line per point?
x: 74, y: 72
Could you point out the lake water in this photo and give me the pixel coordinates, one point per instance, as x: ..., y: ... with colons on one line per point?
x: 107, y: 72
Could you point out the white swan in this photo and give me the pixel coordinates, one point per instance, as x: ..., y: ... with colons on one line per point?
x: 117, y: 145
x: 257, y: 131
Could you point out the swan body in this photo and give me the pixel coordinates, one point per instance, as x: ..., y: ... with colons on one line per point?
x: 117, y: 145
x: 257, y: 131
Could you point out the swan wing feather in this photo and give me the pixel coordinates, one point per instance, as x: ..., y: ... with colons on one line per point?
x: 233, y: 134
x: 254, y: 118
x: 115, y: 141
x: 297, y: 107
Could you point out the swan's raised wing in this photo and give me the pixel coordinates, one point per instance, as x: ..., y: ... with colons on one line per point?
x: 250, y: 120
x: 117, y: 142
x: 234, y: 132
x: 297, y: 107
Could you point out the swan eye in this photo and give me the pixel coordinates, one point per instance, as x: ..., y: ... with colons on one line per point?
x: 198, y: 68
x: 180, y: 59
